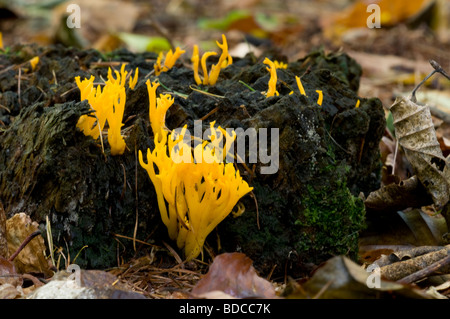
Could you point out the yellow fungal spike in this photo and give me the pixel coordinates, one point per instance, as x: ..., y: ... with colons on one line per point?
x: 215, y: 69
x: 151, y: 88
x: 34, y: 61
x: 171, y: 58
x: 1, y: 40
x: 86, y: 123
x: 357, y: 104
x: 85, y: 86
x: 115, y: 117
x: 320, y: 99
x: 273, y: 78
x: 133, y: 81
x: 195, y: 63
x: 204, y: 69
x: 120, y: 76
x: 157, y: 66
x: 300, y: 86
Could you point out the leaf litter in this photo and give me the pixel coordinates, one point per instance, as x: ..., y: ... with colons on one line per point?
x: 159, y: 278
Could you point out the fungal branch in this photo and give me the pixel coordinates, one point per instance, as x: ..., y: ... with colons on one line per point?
x: 272, y: 91
x: 225, y: 60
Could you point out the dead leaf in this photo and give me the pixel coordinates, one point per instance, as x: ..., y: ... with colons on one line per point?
x: 8, y: 291
x: 99, y: 17
x: 415, y: 132
x: 341, y: 278
x: 8, y: 274
x: 233, y: 274
x: 398, y: 196
x: 31, y: 259
x: 427, y: 229
x: 391, y: 13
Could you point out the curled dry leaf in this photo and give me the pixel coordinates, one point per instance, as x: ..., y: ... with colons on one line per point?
x: 233, y: 274
x: 398, y: 196
x: 341, y: 278
x: 415, y: 132
x: 31, y: 259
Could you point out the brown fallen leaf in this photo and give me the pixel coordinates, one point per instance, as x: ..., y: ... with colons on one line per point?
x: 31, y: 259
x: 414, y: 130
x: 391, y: 13
x: 8, y: 274
x: 398, y: 196
x: 341, y: 278
x: 233, y: 274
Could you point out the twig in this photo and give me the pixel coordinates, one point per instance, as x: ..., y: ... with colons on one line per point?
x: 437, y: 69
x: 426, y: 271
x: 24, y: 243
x: 403, y: 269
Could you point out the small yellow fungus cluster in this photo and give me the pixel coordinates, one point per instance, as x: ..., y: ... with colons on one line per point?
x: 133, y: 81
x: 302, y: 91
x: 1, y: 40
x: 195, y: 189
x: 273, y: 78
x: 320, y: 98
x: 108, y: 105
x: 225, y: 60
x: 33, y: 62
x: 169, y: 61
x: 280, y: 65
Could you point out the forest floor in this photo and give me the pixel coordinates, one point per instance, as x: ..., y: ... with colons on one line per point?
x: 394, y: 59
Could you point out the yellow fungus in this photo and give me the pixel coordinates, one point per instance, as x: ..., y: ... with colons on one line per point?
x: 171, y: 58
x: 204, y: 69
x: 357, y: 104
x: 280, y: 65
x: 196, y: 194
x: 320, y: 99
x: 1, y: 40
x: 108, y: 105
x: 215, y: 69
x: 133, y: 81
x: 300, y: 86
x: 273, y: 78
x: 34, y: 61
x: 115, y: 117
x: 157, y: 66
x: 169, y: 61
x: 195, y: 64
x: 225, y: 60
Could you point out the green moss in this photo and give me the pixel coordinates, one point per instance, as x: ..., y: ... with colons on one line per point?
x: 331, y: 220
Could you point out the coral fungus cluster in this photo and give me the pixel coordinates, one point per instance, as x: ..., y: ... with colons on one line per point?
x: 108, y: 106
x: 224, y: 61
x: 195, y: 189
